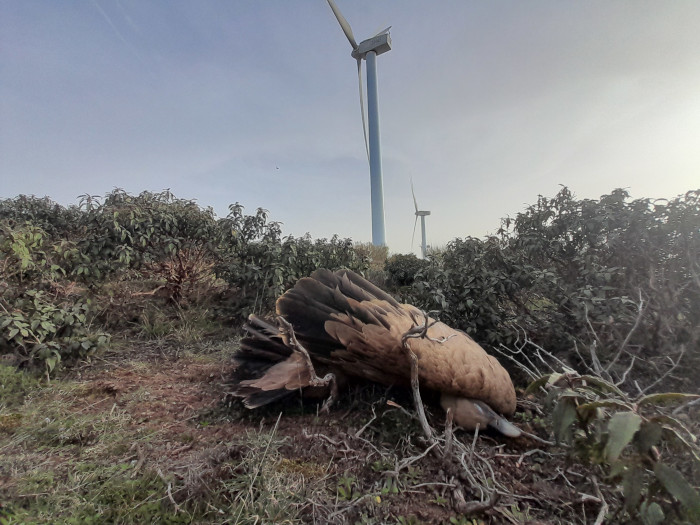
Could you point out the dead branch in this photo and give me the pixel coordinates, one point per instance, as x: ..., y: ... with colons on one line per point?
x: 169, y: 491
x: 682, y: 407
x: 640, y: 312
x: 590, y: 325
x: 407, y: 462
x: 333, y: 442
x: 315, y: 380
x: 364, y: 427
x: 449, y: 433
x: 530, y: 453
x: 472, y: 507
x: 668, y: 372
x: 414, y: 333
x: 624, y: 375
x: 152, y: 292
x: 604, y: 505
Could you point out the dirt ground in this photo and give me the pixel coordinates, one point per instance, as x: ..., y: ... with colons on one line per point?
x: 166, y: 419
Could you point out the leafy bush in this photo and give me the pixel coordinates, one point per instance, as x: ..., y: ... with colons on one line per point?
x: 613, y: 278
x: 259, y: 264
x: 41, y: 213
x: 619, y: 277
x: 642, y: 444
x: 402, y: 269
x: 24, y: 254
x: 131, y: 232
x: 15, y: 385
x: 474, y: 286
x: 37, y: 329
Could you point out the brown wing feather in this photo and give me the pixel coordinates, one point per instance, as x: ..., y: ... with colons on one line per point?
x: 457, y: 366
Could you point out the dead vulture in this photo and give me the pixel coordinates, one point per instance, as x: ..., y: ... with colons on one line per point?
x: 344, y: 324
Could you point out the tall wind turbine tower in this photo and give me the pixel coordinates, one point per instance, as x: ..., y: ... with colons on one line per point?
x: 368, y: 50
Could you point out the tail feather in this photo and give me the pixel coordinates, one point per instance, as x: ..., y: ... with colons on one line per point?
x: 254, y: 398
x: 266, y: 368
x: 262, y: 348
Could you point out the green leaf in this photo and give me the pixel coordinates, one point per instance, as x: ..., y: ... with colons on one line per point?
x: 621, y: 429
x: 676, y: 485
x: 666, y: 398
x: 608, y: 403
x: 51, y: 362
x: 604, y: 385
x: 651, y: 513
x: 563, y: 415
x: 679, y: 439
x: 648, y: 436
x: 537, y: 383
x: 632, y: 482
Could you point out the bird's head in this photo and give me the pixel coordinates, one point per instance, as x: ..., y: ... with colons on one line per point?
x: 468, y: 413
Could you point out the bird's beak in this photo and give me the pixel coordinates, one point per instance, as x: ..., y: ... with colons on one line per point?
x: 468, y: 413
x: 505, y: 427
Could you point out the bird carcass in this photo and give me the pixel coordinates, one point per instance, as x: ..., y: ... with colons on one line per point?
x: 343, y: 323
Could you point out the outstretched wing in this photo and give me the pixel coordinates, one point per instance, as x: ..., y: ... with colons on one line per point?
x: 344, y: 320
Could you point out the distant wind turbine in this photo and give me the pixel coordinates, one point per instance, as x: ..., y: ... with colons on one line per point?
x: 369, y: 49
x: 422, y: 215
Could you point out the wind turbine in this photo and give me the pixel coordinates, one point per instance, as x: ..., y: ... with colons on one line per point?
x: 369, y: 49
x: 422, y: 215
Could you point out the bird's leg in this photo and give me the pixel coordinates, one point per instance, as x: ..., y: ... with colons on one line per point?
x: 328, y: 380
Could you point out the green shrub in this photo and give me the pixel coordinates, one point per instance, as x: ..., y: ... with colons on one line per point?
x: 402, y: 269
x: 42, y: 213
x: 612, y: 277
x: 642, y: 446
x: 37, y: 329
x: 15, y: 385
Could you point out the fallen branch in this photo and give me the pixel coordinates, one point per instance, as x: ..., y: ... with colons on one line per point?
x: 169, y: 491
x: 315, y: 380
x: 604, y: 504
x: 414, y: 333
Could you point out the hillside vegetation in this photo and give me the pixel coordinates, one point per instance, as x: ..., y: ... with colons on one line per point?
x: 119, y: 316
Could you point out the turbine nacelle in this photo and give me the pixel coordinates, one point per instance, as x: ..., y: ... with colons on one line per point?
x: 380, y: 43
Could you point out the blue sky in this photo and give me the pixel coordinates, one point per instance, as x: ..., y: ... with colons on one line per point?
x: 484, y: 104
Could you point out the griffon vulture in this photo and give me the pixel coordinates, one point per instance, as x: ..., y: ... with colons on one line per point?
x: 342, y: 323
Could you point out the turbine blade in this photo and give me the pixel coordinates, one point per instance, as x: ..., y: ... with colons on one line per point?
x: 362, y: 105
x: 385, y: 30
x: 413, y: 237
x: 343, y: 23
x: 415, y: 202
